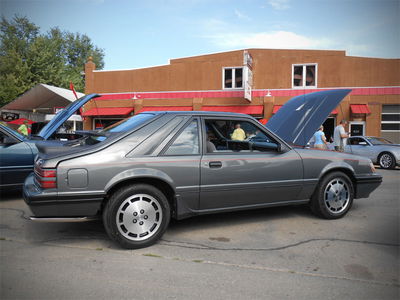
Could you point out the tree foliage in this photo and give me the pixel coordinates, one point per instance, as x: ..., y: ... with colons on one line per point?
x: 28, y: 57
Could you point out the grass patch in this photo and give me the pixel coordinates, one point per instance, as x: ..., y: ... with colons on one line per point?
x: 151, y: 255
x: 198, y: 260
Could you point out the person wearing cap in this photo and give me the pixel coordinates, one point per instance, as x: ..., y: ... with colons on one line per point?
x: 320, y: 139
x: 340, y: 136
x: 23, y: 129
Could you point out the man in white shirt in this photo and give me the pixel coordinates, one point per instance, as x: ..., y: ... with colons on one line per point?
x: 340, y: 136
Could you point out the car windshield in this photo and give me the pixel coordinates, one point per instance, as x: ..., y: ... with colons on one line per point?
x: 129, y: 123
x: 379, y: 141
x: 122, y: 126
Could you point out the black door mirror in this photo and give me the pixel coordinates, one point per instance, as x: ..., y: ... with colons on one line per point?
x: 8, y: 140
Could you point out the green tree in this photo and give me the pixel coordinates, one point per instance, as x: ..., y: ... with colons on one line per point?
x: 28, y: 57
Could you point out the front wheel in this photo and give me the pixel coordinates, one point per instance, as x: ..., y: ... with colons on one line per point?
x: 387, y: 161
x: 333, y: 196
x: 136, y: 216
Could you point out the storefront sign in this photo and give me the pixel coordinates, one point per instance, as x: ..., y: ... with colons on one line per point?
x: 248, y: 82
x: 247, y: 60
x: 9, y: 116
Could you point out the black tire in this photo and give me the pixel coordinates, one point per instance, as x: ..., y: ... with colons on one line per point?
x: 386, y: 160
x: 333, y: 196
x: 136, y: 216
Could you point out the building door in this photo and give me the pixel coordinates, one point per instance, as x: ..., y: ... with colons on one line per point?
x: 357, y: 128
x: 329, y: 127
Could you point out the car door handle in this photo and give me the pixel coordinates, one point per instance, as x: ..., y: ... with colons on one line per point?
x: 215, y: 164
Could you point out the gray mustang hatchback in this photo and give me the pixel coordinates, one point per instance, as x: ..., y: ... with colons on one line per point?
x: 139, y: 173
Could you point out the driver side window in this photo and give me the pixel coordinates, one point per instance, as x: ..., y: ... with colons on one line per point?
x: 236, y: 136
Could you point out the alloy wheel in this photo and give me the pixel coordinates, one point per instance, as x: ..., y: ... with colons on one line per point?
x: 385, y: 161
x: 139, y: 217
x: 337, y: 195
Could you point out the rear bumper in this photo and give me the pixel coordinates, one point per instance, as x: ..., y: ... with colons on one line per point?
x: 365, y: 185
x: 51, y: 204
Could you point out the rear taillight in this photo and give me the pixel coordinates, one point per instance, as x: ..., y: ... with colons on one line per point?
x: 46, y: 178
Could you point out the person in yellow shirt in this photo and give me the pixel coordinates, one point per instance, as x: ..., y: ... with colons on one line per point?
x: 23, y: 129
x: 238, y: 134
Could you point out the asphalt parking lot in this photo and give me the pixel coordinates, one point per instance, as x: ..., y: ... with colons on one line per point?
x: 276, y: 253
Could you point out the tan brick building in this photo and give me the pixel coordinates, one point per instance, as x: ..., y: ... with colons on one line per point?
x: 253, y: 81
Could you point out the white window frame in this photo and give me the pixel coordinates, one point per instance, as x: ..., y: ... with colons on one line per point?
x: 233, y: 78
x: 357, y: 123
x: 304, y: 86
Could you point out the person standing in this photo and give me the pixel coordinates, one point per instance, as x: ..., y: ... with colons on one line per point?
x: 320, y: 139
x: 23, y: 129
x: 340, y: 136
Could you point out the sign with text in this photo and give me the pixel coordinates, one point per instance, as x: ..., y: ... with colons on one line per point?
x: 247, y: 60
x: 248, y: 82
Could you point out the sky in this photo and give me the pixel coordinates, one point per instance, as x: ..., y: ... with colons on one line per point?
x: 143, y: 33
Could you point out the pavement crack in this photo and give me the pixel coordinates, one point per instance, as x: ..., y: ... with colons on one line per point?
x: 208, y: 247
x: 22, y: 212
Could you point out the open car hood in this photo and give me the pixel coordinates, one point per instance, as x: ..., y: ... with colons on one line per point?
x: 63, y: 116
x: 299, y: 118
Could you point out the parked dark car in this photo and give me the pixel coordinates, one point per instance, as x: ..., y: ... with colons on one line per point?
x: 379, y: 150
x: 16, y: 158
x: 17, y: 152
x: 139, y: 173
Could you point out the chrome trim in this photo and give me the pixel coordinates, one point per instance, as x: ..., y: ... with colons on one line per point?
x: 64, y: 219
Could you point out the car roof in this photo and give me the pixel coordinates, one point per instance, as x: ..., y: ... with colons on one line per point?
x: 200, y: 113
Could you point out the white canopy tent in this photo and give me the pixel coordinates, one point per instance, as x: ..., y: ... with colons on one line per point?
x: 41, y: 100
x: 42, y: 97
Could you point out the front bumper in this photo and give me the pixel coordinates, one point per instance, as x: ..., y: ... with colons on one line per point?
x: 51, y: 204
x: 366, y: 184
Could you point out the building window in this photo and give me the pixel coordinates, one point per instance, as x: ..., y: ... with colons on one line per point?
x: 390, y: 118
x: 233, y: 78
x: 304, y: 76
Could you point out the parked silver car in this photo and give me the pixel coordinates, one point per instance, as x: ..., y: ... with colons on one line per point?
x: 379, y: 150
x: 140, y: 172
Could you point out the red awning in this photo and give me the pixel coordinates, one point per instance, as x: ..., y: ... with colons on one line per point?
x: 166, y: 108
x: 250, y: 109
x: 360, y: 109
x: 276, y: 108
x: 20, y: 121
x: 108, y: 111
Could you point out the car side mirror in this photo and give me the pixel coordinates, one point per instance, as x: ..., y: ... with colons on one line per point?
x: 266, y: 146
x: 7, y: 140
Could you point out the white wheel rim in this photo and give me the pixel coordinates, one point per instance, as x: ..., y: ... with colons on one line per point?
x: 139, y: 217
x: 337, y: 195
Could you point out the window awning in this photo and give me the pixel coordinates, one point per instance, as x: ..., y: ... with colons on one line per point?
x: 108, y: 111
x: 360, y: 109
x: 166, y: 108
x: 250, y: 109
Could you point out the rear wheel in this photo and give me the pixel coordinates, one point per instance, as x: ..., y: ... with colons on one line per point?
x: 386, y: 160
x: 136, y: 216
x: 333, y: 197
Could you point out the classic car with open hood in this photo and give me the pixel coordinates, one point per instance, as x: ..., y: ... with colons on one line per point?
x: 17, y: 152
x: 142, y: 171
